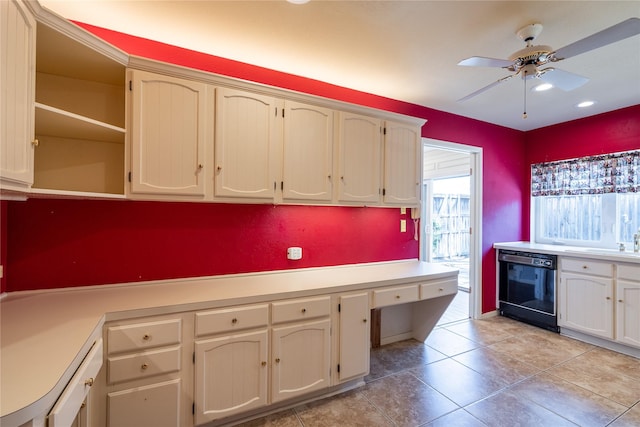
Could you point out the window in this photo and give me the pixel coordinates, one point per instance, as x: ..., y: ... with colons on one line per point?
x: 592, y: 201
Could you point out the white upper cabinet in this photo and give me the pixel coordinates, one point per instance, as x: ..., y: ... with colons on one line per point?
x: 245, y: 145
x: 360, y: 151
x: 307, y: 152
x: 17, y: 77
x: 169, y: 135
x: 401, y: 164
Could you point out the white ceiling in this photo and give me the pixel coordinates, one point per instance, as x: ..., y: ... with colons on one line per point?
x: 405, y: 50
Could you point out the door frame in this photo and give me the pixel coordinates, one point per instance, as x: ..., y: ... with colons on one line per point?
x: 475, y: 237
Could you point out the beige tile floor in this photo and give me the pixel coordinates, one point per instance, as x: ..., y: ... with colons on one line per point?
x: 494, y: 372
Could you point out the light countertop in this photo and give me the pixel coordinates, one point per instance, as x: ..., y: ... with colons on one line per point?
x: 45, y: 334
x: 614, y: 255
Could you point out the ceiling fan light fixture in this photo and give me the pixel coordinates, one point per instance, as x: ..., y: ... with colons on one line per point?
x: 585, y: 104
x: 542, y: 87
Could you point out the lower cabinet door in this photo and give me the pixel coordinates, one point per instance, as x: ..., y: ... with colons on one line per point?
x: 231, y: 375
x: 301, y: 359
x: 156, y: 405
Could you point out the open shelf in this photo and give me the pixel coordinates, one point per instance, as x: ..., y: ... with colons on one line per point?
x: 53, y: 121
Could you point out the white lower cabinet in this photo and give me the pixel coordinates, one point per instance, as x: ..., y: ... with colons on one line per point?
x: 155, y: 405
x: 600, y: 298
x: 230, y: 375
x: 301, y: 359
x: 628, y: 304
x: 146, y: 380
x: 353, y: 342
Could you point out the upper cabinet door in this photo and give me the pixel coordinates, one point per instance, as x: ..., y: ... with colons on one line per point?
x: 168, y: 135
x: 360, y: 159
x: 17, y: 76
x: 308, y: 152
x: 246, y: 145
x: 401, y: 164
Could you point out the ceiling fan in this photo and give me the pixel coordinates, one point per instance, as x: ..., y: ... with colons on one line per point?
x: 527, y: 62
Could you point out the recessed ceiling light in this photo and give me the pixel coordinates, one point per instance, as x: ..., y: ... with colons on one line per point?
x: 298, y: 1
x: 542, y: 87
x: 585, y: 104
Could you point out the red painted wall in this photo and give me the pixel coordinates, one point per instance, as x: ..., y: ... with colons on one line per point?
x: 58, y: 243
x: 55, y: 243
x: 3, y: 242
x: 610, y: 132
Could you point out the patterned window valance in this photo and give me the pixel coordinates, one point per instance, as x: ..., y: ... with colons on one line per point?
x: 607, y: 173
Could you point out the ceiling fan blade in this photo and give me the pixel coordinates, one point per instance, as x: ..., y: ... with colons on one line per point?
x: 562, y: 79
x: 621, y: 31
x: 480, y: 61
x: 484, y: 89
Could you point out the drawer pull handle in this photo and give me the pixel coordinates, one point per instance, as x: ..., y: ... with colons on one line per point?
x: 144, y: 366
x: 88, y: 382
x: 146, y: 337
x: 234, y: 320
x: 304, y: 310
x: 264, y: 363
x: 277, y: 360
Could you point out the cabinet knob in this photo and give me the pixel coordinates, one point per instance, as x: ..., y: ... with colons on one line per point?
x: 620, y: 300
x: 440, y: 289
x: 88, y: 382
x: 364, y: 320
x: 234, y: 320
x: 608, y: 298
x: 144, y: 366
x: 200, y: 166
x: 35, y: 142
x: 219, y: 168
x: 304, y: 310
x: 397, y: 296
x: 584, y: 267
x: 277, y: 360
x: 264, y: 363
x: 146, y: 337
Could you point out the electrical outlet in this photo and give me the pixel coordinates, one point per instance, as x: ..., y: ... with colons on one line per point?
x: 403, y: 225
x: 294, y: 253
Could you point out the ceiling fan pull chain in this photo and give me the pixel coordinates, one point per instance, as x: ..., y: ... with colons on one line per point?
x: 524, y: 113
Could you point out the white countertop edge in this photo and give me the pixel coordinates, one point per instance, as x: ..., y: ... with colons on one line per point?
x: 407, y: 270
x: 573, y: 251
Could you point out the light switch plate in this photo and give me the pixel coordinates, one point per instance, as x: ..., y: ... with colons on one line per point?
x: 403, y: 225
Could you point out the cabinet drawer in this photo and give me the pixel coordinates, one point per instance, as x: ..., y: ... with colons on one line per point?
x: 587, y: 266
x: 299, y: 309
x: 140, y: 336
x: 629, y: 272
x: 231, y: 319
x: 67, y: 407
x: 438, y: 289
x: 395, y: 295
x: 142, y: 365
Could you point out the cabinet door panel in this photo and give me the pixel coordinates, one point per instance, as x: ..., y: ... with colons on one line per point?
x: 17, y: 81
x: 360, y: 159
x: 587, y: 304
x: 156, y: 405
x: 401, y: 164
x: 301, y: 359
x: 244, y: 145
x: 354, y: 336
x: 308, y: 152
x: 628, y: 312
x: 231, y: 375
x: 168, y: 135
